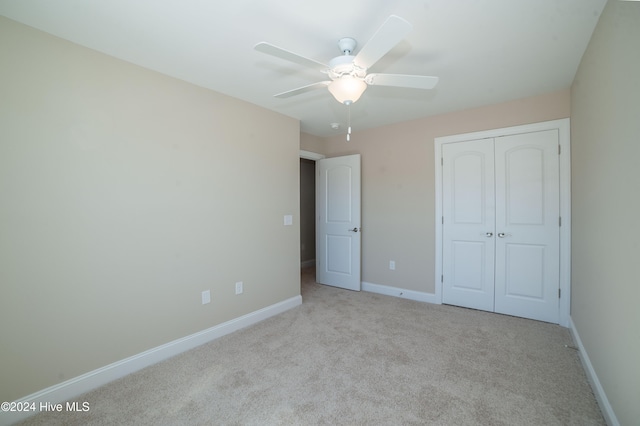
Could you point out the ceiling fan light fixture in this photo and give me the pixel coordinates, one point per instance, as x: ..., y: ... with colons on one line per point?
x: 347, y: 89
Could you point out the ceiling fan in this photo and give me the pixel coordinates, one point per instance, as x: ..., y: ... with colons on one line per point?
x: 348, y: 73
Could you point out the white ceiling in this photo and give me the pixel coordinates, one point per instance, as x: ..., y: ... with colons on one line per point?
x: 484, y: 51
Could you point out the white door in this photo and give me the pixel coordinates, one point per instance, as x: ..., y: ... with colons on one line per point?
x: 468, y: 224
x: 527, y: 225
x: 338, y: 221
x: 501, y: 225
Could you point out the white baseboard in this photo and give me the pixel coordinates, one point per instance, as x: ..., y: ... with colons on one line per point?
x: 72, y: 388
x: 399, y: 292
x: 601, y: 397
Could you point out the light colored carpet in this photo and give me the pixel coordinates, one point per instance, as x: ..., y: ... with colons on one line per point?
x: 354, y: 358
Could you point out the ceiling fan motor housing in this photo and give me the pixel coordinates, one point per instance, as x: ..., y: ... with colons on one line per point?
x: 343, y: 65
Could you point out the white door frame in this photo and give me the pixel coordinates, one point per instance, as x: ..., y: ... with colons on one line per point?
x: 563, y: 127
x: 311, y: 155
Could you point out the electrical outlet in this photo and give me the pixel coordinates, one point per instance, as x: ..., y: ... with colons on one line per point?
x: 239, y: 287
x: 392, y: 265
x: 206, y: 297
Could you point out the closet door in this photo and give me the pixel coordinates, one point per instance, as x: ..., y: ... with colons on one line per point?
x: 527, y: 272
x: 468, y: 224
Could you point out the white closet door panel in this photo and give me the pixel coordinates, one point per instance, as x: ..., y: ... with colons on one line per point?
x: 338, y: 242
x: 469, y: 220
x: 527, y: 225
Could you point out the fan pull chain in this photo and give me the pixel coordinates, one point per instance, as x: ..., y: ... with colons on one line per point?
x: 348, y: 122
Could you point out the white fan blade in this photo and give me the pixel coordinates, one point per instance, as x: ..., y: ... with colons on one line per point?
x: 303, y: 89
x: 392, y: 32
x: 402, y: 80
x: 279, y: 52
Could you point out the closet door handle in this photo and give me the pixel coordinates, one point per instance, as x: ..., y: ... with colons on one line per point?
x: 502, y: 235
x: 489, y: 234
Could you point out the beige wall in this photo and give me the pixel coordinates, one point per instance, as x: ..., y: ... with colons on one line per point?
x: 312, y: 143
x: 123, y: 195
x: 398, y: 184
x: 605, y: 142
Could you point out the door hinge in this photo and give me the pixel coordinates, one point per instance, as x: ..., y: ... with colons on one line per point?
x: 442, y: 161
x: 559, y: 149
x: 443, y: 220
x: 559, y: 293
x: 560, y: 221
x: 441, y: 278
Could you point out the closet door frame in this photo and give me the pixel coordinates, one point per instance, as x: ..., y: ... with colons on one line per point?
x: 563, y: 127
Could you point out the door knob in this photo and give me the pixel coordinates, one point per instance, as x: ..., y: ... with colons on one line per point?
x: 353, y: 230
x: 502, y: 235
x: 489, y: 234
